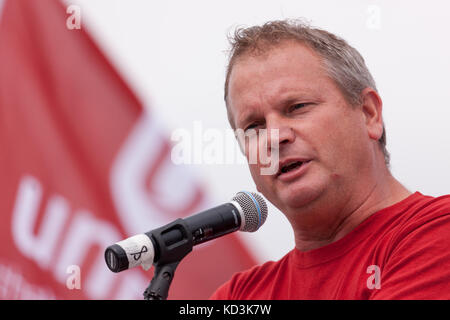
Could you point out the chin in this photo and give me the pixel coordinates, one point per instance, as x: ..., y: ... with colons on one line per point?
x: 301, y: 199
x: 296, y: 197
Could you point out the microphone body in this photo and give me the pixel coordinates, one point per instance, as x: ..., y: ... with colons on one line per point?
x: 170, y: 243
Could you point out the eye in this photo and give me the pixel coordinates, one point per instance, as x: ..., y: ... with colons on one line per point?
x: 297, y: 106
x: 251, y: 126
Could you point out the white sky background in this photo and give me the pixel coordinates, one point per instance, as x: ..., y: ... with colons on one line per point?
x: 173, y: 55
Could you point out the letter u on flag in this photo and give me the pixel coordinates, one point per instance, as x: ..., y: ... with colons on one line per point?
x: 82, y: 165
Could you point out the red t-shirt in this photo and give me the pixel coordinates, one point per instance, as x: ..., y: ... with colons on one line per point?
x: 400, y: 252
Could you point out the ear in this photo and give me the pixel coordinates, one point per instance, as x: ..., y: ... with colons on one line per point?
x: 372, y: 109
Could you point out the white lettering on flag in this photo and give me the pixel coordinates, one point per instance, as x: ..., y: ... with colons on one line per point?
x: 1, y: 7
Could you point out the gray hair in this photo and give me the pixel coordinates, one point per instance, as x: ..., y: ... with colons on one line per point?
x: 343, y: 63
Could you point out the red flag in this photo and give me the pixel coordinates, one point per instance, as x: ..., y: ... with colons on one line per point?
x: 83, y: 165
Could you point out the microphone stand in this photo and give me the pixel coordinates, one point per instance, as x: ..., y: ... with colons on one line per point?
x: 160, y: 284
x: 175, y: 245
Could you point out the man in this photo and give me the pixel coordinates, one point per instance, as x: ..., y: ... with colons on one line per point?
x: 359, y: 233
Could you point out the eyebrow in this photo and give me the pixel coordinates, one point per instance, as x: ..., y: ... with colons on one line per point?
x: 248, y: 115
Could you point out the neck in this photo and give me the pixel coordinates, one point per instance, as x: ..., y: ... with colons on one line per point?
x: 352, y: 213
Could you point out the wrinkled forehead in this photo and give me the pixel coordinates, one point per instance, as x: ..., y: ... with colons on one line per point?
x: 278, y: 72
x: 289, y: 58
x: 262, y: 50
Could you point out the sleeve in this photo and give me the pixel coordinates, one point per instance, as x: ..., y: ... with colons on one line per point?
x: 222, y: 293
x: 243, y: 285
x: 419, y: 265
x: 227, y: 291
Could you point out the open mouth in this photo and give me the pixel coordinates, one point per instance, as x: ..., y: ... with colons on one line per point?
x: 291, y: 166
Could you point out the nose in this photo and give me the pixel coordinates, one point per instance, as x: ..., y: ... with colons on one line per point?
x: 279, y: 132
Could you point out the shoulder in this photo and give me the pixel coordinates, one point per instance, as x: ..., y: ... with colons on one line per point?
x: 422, y: 223
x: 426, y: 212
x: 429, y: 204
x: 417, y: 266
x: 252, y: 284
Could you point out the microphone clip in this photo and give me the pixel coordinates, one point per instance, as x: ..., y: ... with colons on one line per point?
x: 172, y: 243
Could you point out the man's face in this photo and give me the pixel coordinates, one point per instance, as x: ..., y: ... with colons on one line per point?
x: 323, y: 142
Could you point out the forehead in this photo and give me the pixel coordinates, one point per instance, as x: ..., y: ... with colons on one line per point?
x: 290, y: 68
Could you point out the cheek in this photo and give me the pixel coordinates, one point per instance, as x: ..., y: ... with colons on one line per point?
x: 255, y: 172
x: 257, y: 152
x: 264, y: 183
x: 335, y: 177
x: 335, y: 140
x: 325, y: 136
x: 345, y: 146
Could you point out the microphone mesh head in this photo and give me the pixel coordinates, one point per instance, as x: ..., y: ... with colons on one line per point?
x: 254, y: 208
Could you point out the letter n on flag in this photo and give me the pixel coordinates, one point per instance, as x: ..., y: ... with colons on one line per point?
x: 83, y: 165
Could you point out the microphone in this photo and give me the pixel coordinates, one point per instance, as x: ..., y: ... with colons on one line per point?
x: 247, y: 211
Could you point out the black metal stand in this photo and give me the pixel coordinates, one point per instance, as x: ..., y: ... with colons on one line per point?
x: 160, y: 284
x: 174, y: 242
